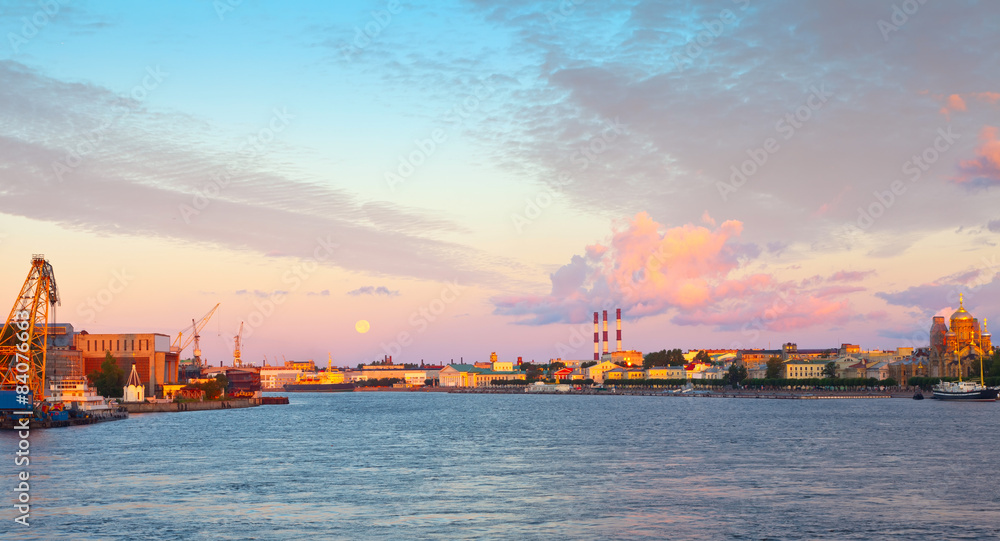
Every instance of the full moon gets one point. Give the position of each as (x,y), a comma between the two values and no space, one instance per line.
(362,326)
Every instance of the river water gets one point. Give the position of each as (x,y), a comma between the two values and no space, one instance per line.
(435,465)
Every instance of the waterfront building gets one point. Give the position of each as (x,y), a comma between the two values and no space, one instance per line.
(563,373)
(596,372)
(149,352)
(62,358)
(712,372)
(665,372)
(410,375)
(963,339)
(624,358)
(754,358)
(274,378)
(305,366)
(904,369)
(802,369)
(616,373)
(470,375)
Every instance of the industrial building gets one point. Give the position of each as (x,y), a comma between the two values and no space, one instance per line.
(149,352)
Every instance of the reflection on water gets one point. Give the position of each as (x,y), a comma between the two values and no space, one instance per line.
(410,465)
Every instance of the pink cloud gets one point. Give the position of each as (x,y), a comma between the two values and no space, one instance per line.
(984,169)
(956,102)
(988,97)
(850,276)
(693,271)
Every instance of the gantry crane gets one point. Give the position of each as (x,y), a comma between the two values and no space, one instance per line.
(180,344)
(23,342)
(237,361)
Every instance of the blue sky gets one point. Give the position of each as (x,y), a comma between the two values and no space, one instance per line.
(549,158)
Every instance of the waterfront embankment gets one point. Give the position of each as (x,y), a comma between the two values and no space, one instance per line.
(168,407)
(762,394)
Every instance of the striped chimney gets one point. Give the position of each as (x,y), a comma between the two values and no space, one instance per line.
(618,318)
(605,331)
(597,340)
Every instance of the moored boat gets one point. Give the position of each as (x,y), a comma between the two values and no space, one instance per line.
(964,390)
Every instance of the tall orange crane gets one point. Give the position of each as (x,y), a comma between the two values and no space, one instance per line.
(237,361)
(23,342)
(180,344)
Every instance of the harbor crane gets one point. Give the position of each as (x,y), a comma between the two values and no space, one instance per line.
(180,344)
(238,339)
(24,340)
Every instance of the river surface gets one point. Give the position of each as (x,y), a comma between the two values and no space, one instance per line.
(462,466)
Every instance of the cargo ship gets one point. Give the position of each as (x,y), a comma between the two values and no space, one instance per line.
(330,381)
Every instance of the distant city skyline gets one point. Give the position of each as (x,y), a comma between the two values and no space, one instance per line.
(437,181)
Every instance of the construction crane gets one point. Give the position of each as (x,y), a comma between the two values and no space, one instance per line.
(180,344)
(237,361)
(23,343)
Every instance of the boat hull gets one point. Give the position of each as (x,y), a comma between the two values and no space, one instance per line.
(319,387)
(984,395)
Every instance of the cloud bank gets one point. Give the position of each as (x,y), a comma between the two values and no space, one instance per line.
(696,273)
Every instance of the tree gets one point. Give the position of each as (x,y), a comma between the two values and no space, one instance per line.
(110,379)
(675,357)
(830,370)
(703,357)
(736,374)
(773,368)
(588,364)
(655,358)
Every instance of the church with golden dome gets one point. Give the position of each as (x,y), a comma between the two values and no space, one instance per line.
(958,344)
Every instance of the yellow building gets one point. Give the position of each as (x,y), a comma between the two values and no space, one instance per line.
(624,358)
(665,372)
(596,372)
(801,369)
(468,375)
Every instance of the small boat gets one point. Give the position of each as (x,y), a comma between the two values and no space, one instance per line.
(918,395)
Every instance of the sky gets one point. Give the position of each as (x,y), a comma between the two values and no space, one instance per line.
(472,177)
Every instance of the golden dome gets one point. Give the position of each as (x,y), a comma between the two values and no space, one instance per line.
(961,313)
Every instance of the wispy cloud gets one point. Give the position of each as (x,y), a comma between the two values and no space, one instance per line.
(372,290)
(44,119)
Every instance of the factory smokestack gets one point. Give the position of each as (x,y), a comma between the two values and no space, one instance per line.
(597,340)
(618,318)
(605,331)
